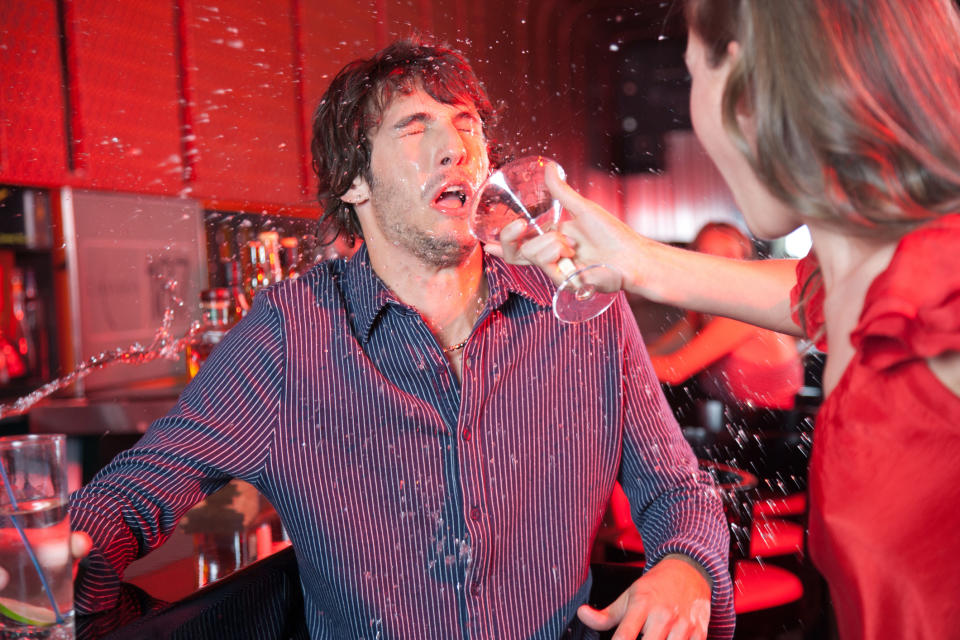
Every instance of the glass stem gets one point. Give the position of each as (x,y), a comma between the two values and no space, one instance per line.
(569,270)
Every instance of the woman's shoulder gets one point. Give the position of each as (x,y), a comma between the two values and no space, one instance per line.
(912,309)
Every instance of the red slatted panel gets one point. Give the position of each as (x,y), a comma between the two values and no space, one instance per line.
(242,103)
(32,134)
(124,61)
(405,17)
(449,22)
(324,54)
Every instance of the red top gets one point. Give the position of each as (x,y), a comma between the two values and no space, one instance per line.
(885,470)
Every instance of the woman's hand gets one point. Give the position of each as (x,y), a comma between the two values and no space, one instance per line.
(591,236)
(753,291)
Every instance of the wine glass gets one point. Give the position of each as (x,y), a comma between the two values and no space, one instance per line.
(518,189)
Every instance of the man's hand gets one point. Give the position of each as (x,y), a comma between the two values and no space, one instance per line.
(670,602)
(80,544)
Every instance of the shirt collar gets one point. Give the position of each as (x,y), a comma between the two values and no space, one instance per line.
(504,279)
(367,295)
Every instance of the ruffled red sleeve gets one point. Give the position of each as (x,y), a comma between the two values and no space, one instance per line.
(806,300)
(912,309)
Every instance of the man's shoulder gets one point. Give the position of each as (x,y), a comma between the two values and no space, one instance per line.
(324,273)
(318,284)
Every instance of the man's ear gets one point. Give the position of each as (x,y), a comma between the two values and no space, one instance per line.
(358,193)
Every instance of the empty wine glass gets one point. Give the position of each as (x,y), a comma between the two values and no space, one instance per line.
(518,189)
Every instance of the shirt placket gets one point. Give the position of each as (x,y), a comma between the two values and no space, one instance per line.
(473,483)
(459,405)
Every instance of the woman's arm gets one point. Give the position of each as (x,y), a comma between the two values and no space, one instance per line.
(753,291)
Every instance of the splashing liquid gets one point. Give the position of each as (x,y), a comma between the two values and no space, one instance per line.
(164,345)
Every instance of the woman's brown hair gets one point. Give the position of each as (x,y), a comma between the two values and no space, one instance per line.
(856,104)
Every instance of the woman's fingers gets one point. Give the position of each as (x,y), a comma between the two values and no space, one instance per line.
(570,199)
(511,238)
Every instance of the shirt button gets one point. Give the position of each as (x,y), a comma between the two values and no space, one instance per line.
(466,434)
(475,513)
(475,590)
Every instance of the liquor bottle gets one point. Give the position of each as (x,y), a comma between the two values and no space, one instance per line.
(34,314)
(22,337)
(290,257)
(238,297)
(258,276)
(271,249)
(216,319)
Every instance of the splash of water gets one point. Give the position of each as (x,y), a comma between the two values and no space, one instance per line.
(164,345)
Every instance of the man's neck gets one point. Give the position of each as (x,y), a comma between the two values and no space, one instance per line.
(449,299)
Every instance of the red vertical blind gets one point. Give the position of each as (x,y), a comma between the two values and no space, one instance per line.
(33,147)
(331,35)
(242,106)
(124,76)
(672,206)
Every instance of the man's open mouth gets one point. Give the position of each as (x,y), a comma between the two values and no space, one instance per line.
(452,196)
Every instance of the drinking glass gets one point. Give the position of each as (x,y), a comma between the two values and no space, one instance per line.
(36,599)
(518,189)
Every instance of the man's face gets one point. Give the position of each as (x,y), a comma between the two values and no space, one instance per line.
(428,160)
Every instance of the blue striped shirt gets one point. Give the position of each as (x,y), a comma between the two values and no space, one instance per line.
(420,506)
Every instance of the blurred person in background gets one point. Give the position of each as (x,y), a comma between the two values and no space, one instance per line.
(740,364)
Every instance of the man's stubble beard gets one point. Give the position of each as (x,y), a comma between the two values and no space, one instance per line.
(442,251)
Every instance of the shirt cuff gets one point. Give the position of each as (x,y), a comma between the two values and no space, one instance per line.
(97,585)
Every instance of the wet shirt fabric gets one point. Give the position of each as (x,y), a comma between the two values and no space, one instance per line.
(419,507)
(884,478)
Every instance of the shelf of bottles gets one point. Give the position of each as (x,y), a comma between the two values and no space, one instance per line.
(247,253)
(28,349)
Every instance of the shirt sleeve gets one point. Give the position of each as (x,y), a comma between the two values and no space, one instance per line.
(807,298)
(674,504)
(220,428)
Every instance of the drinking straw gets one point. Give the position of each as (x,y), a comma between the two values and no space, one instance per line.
(26,543)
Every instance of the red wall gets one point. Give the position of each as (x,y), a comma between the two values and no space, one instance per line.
(242,104)
(123,82)
(32,129)
(212,99)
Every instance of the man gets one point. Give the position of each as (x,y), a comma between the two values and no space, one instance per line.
(439,448)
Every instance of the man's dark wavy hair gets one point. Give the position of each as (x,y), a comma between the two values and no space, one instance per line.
(353,106)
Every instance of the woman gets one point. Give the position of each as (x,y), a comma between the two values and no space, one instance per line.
(843,115)
(740,364)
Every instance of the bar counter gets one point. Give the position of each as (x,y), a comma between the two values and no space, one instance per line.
(160,597)
(263,601)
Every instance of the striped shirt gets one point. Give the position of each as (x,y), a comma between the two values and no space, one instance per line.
(420,506)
